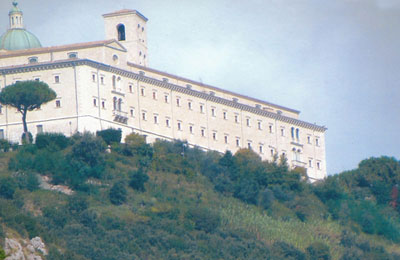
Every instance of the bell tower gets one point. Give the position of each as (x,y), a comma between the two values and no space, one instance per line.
(128,27)
(16,18)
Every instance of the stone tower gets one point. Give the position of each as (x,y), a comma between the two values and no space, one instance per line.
(129,28)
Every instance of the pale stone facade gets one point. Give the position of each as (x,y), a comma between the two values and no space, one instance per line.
(108,84)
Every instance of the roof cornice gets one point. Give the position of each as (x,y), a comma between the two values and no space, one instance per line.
(211,87)
(125,12)
(163,84)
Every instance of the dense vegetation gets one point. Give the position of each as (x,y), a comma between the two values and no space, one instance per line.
(169,201)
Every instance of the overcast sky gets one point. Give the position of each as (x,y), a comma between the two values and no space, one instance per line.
(337,61)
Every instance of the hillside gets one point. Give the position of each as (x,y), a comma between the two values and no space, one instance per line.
(168,201)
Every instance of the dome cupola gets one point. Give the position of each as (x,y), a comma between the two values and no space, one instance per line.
(17,37)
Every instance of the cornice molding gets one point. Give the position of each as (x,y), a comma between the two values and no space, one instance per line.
(159,83)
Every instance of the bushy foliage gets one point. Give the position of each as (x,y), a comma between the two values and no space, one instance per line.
(318,251)
(204,219)
(176,217)
(118,194)
(27,181)
(7,188)
(282,250)
(2,254)
(55,141)
(138,179)
(110,135)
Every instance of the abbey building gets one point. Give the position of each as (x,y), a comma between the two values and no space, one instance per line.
(108,84)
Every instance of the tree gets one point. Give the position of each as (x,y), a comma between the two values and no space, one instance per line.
(118,194)
(138,180)
(26,96)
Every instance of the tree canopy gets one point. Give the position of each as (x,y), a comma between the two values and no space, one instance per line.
(26,96)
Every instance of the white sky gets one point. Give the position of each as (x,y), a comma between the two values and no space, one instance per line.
(337,61)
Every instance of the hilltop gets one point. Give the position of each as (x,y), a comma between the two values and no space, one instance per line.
(169,201)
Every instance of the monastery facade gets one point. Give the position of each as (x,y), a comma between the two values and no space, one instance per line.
(108,84)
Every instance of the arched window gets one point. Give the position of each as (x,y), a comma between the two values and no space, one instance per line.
(121,32)
(297,134)
(120,104)
(292,132)
(114,81)
(115,103)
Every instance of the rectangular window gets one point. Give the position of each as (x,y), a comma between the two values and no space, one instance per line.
(130,89)
(103,104)
(57,79)
(270,129)
(58,103)
(261,149)
(225,115)
(166,99)
(154,95)
(142,92)
(308,139)
(190,105)
(95,102)
(132,112)
(191,129)
(214,135)
(226,139)
(213,112)
(318,166)
(237,142)
(167,122)
(282,132)
(203,132)
(310,163)
(202,109)
(102,80)
(93,77)
(1,109)
(155,119)
(144,116)
(316,141)
(1,133)
(39,129)
(178,102)
(179,126)
(236,119)
(272,152)
(37,79)
(248,122)
(249,145)
(259,125)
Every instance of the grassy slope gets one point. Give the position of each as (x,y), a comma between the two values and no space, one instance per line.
(167,191)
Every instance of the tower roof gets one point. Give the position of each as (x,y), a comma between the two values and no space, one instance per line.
(15,8)
(124,12)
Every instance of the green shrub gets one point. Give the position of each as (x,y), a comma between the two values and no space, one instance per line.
(89,150)
(267,198)
(247,190)
(282,250)
(54,140)
(2,254)
(118,194)
(110,135)
(204,219)
(27,181)
(4,145)
(7,188)
(318,251)
(76,204)
(138,179)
